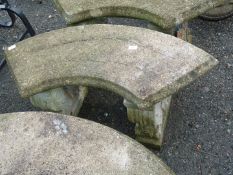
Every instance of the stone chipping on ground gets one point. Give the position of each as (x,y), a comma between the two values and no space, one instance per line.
(199,134)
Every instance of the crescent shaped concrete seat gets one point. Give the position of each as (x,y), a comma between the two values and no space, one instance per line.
(145,67)
(142,65)
(163,13)
(50,143)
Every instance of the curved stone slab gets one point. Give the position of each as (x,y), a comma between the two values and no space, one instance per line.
(48,143)
(164,13)
(142,65)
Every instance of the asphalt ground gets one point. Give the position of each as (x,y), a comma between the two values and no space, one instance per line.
(199,134)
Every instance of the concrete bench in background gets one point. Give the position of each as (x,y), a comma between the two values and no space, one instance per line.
(221,12)
(145,67)
(49,143)
(165,14)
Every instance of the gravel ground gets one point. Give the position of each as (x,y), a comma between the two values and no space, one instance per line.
(199,134)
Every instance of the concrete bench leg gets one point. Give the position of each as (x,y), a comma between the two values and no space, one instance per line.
(66,100)
(150,123)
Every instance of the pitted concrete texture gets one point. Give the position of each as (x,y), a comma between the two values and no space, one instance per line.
(49,143)
(164,13)
(142,65)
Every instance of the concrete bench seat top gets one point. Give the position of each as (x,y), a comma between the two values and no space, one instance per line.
(164,13)
(142,65)
(49,143)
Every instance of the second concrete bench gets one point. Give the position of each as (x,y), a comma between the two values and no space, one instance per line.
(221,12)
(165,14)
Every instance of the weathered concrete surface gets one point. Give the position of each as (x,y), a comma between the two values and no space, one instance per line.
(142,65)
(150,123)
(164,13)
(66,100)
(48,143)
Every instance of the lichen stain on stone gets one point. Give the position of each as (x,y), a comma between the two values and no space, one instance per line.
(121,157)
(140,66)
(138,75)
(60,126)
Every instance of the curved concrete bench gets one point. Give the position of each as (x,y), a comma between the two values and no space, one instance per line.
(166,14)
(143,66)
(49,143)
